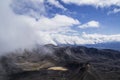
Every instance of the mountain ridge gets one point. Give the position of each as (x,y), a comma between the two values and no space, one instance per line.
(39,59)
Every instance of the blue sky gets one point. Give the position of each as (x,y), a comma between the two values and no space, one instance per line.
(28,22)
(109,23)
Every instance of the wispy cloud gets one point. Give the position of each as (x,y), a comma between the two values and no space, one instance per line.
(99,38)
(33,8)
(85,38)
(54,23)
(57,4)
(114,11)
(90,24)
(96,3)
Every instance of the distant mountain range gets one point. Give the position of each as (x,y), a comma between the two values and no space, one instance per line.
(107,45)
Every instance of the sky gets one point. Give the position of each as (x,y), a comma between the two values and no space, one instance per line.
(24,23)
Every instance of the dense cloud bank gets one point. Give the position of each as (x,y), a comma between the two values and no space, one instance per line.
(24,23)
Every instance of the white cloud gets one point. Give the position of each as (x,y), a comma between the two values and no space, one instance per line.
(96,3)
(114,11)
(84,38)
(20,31)
(90,24)
(99,38)
(33,8)
(71,39)
(57,4)
(54,23)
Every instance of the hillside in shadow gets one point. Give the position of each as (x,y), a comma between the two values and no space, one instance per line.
(50,62)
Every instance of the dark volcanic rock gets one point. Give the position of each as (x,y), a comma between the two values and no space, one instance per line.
(104,64)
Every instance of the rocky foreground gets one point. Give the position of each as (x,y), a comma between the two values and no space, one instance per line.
(51,62)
